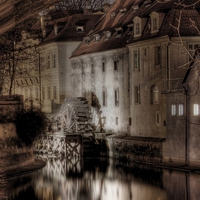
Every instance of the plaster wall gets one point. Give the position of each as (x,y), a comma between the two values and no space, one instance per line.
(95,73)
(174,147)
(148,116)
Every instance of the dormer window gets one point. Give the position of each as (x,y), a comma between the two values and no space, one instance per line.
(119,32)
(135,8)
(112,15)
(123,11)
(147,2)
(156,20)
(138,26)
(87,40)
(107,34)
(79,28)
(130,29)
(97,37)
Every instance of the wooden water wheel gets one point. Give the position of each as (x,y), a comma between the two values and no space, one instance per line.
(75,115)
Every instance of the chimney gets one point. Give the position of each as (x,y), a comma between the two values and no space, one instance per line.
(88,9)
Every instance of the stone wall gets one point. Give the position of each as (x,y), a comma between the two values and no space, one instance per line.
(146,150)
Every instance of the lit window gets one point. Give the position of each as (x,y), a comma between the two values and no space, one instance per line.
(137,94)
(196,109)
(136,59)
(173,110)
(180,109)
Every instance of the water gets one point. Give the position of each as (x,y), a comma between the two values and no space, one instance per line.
(94,179)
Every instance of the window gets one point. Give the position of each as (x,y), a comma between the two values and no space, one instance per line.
(116,97)
(136,59)
(154,94)
(112,15)
(196,109)
(92,68)
(104,97)
(97,37)
(31,93)
(119,32)
(54,92)
(137,28)
(48,61)
(157,55)
(43,93)
(180,110)
(130,29)
(49,92)
(115,65)
(103,67)
(54,60)
(130,121)
(192,48)
(123,11)
(154,24)
(37,93)
(116,120)
(79,28)
(158,118)
(173,109)
(137,94)
(107,34)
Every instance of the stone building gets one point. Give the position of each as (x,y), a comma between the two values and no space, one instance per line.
(52,73)
(151,51)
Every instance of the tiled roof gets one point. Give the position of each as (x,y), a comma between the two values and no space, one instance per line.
(67,30)
(114,18)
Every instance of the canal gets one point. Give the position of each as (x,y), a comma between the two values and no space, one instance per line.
(100,179)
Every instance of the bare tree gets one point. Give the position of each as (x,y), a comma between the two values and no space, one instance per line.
(83,4)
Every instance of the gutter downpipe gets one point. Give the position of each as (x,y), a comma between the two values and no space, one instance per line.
(186,128)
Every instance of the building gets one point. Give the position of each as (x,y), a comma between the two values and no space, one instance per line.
(134,62)
(49,82)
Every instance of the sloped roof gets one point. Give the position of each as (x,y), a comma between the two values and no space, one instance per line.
(67,30)
(143,9)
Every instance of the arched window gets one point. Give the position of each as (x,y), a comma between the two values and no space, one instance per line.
(154,94)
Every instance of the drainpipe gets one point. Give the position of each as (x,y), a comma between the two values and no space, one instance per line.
(186,127)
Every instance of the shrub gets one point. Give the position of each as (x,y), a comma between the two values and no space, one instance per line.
(29,125)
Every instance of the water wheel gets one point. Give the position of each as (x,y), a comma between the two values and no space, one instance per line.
(75,115)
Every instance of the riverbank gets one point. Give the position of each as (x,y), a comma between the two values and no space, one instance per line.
(21,169)
(130,150)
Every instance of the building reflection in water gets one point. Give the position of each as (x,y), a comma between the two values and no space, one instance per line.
(93,179)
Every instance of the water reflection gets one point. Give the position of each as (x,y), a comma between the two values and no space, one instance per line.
(91,179)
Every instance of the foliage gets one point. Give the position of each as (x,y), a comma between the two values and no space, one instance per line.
(30,124)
